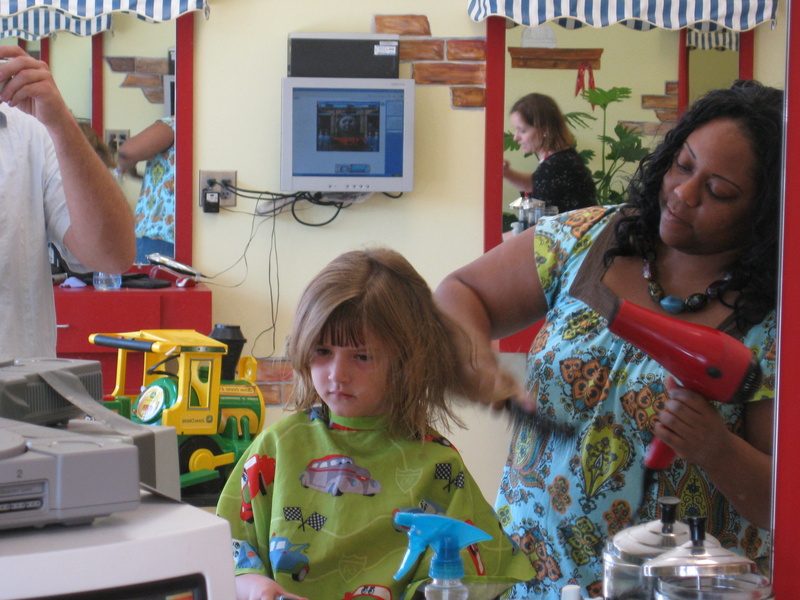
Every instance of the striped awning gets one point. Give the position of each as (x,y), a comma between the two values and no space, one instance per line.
(703,15)
(34,24)
(34,19)
(722,39)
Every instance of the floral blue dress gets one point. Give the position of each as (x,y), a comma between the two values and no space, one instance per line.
(562,496)
(155,210)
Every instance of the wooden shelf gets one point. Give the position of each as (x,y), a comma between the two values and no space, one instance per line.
(554,58)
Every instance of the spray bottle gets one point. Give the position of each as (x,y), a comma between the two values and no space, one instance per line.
(446,537)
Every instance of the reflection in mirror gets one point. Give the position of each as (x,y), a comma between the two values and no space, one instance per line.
(30,47)
(710,70)
(532,80)
(125,106)
(136,59)
(618,68)
(713,60)
(71,65)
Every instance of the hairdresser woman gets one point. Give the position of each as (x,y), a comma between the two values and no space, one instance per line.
(701,229)
(561,179)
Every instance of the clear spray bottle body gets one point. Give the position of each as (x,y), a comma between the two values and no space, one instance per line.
(446,589)
(446,537)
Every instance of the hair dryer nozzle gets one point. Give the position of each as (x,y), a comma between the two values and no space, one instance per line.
(750,383)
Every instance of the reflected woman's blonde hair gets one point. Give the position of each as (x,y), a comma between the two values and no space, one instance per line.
(377,292)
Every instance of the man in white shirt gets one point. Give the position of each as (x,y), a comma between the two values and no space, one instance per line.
(53,188)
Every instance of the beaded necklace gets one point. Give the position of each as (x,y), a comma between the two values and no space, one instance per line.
(693,303)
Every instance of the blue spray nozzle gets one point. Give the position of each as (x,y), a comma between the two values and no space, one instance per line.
(446,537)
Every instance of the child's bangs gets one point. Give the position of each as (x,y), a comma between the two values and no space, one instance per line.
(344,327)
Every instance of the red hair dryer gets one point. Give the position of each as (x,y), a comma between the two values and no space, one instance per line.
(703,359)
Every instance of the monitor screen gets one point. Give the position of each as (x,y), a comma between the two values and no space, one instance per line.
(347,135)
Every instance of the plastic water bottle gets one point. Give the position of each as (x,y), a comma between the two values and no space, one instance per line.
(106,281)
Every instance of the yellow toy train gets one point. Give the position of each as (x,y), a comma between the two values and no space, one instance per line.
(192,383)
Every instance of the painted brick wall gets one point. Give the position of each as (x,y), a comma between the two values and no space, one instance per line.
(144,73)
(454,62)
(274,380)
(665,107)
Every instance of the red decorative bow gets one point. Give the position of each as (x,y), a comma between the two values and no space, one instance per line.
(580,84)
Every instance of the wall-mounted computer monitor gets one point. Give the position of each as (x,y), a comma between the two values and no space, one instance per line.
(347,135)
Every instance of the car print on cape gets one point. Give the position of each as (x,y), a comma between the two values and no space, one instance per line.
(287,557)
(337,474)
(257,474)
(377,592)
(245,556)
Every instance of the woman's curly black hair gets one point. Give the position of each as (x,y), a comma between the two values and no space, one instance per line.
(758,110)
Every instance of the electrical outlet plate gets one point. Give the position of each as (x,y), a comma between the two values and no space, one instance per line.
(226,198)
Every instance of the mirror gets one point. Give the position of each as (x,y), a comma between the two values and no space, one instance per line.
(95,92)
(786,490)
(135,66)
(70,60)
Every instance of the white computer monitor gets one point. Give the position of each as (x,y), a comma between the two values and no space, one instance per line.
(347,135)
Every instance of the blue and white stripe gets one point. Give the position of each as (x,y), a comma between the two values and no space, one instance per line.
(31,24)
(722,39)
(703,15)
(34,19)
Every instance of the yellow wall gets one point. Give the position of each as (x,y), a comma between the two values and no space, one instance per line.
(711,69)
(71,65)
(240,60)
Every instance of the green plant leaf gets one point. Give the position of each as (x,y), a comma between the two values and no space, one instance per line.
(579,119)
(602,98)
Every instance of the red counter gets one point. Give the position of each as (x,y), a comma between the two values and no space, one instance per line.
(83,311)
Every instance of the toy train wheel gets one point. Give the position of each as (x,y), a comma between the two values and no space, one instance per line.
(192,451)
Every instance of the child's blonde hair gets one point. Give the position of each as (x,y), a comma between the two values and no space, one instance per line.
(377,291)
